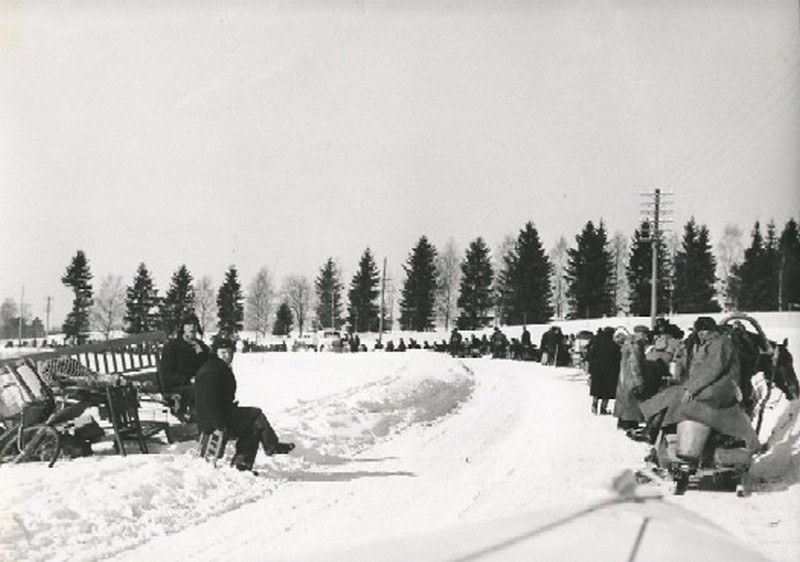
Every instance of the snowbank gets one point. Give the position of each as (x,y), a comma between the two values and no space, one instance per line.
(90,508)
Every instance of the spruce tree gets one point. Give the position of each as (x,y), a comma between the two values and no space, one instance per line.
(363,309)
(283,320)
(230,309)
(179,300)
(526,275)
(142,304)
(418,295)
(475,298)
(590,274)
(328,286)
(78,278)
(695,276)
(640,267)
(754,283)
(789,272)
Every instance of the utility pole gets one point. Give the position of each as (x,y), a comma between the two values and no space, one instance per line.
(21,314)
(47,318)
(383,292)
(655,212)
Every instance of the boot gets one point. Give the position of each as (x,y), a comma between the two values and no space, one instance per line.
(279,449)
(604,408)
(594,406)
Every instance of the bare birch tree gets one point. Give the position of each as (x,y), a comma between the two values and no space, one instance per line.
(619,256)
(259,303)
(298,293)
(108,310)
(558,278)
(730,252)
(448,265)
(205,303)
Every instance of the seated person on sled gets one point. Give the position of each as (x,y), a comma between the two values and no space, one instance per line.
(215,390)
(711,393)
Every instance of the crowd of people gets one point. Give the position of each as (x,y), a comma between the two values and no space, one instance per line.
(658,378)
(655,378)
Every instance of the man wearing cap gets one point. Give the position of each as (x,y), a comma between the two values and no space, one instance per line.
(217,409)
(181,358)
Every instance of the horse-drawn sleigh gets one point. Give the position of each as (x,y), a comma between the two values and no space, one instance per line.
(697,444)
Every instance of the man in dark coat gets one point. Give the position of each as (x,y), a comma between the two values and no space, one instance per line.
(217,409)
(604,358)
(455,343)
(181,357)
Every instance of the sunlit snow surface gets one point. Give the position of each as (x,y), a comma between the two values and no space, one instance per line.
(389,446)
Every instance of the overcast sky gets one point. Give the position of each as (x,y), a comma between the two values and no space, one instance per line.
(278,135)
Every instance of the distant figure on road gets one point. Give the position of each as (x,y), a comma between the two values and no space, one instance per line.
(455,343)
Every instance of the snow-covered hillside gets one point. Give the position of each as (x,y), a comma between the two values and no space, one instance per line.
(391,447)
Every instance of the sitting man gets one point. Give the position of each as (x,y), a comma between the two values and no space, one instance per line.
(215,389)
(711,393)
(180,360)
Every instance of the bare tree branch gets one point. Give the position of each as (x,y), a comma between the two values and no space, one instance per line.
(259,303)
(108,310)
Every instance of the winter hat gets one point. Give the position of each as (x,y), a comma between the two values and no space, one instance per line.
(704,323)
(221,342)
(661,326)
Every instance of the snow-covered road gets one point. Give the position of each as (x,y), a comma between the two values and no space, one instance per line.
(390,446)
(524,441)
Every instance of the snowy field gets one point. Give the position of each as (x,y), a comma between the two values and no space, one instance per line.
(395,451)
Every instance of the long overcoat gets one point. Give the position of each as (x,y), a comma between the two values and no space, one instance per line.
(631,381)
(604,365)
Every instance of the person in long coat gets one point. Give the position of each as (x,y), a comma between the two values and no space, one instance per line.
(604,358)
(217,409)
(631,380)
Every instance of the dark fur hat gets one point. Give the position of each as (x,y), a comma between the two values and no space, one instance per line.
(222,342)
(704,323)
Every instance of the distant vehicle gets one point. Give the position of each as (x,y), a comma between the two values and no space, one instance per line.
(328,340)
(305,342)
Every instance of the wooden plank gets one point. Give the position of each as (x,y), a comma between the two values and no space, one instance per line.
(154,338)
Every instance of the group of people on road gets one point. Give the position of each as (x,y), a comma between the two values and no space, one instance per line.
(658,378)
(204,385)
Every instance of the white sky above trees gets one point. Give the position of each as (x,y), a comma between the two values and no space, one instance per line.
(279,135)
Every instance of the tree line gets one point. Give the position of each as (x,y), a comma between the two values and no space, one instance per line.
(596,276)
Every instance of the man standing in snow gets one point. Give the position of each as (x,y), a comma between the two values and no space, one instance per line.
(630,384)
(215,390)
(180,360)
(455,343)
(604,359)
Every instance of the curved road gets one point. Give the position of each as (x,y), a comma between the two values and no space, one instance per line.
(525,441)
